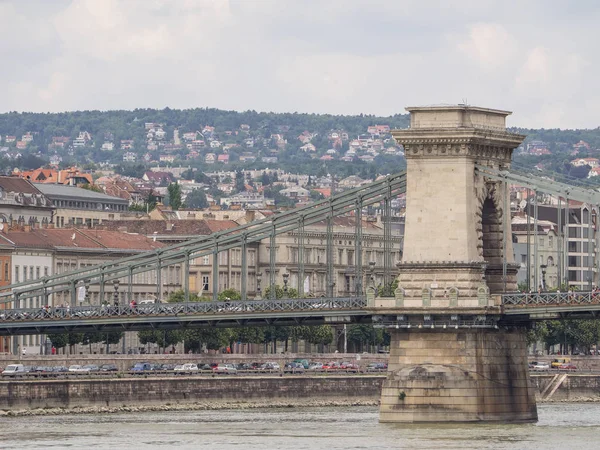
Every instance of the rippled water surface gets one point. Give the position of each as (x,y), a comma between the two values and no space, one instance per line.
(561,426)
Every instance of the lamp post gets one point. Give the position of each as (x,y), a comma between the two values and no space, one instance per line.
(543,267)
(258,280)
(116,294)
(286,276)
(372,273)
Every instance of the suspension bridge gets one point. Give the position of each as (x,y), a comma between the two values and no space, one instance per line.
(456,279)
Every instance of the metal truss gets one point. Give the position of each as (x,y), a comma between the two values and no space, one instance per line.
(543,184)
(551,298)
(124,269)
(552,305)
(308,311)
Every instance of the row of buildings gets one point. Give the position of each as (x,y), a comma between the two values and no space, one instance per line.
(34,248)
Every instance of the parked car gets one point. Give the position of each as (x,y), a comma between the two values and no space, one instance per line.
(270,367)
(14,370)
(293,367)
(567,366)
(541,366)
(349,367)
(108,368)
(558,361)
(376,367)
(188,368)
(142,367)
(304,362)
(315,366)
(225,368)
(76,368)
(90,368)
(244,366)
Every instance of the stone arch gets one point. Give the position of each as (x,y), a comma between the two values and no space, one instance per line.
(491,233)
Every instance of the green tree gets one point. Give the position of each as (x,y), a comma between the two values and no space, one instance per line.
(179,297)
(196,199)
(279,293)
(239,181)
(229,294)
(92,187)
(163,338)
(174,191)
(59,340)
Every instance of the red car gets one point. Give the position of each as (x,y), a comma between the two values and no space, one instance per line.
(567,366)
(349,367)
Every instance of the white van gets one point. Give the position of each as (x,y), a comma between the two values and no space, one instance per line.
(147,301)
(14,369)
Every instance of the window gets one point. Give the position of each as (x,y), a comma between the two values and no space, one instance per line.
(523,259)
(31,272)
(6,272)
(340,256)
(293,255)
(24,273)
(541,242)
(350,257)
(37,272)
(17,274)
(205,282)
(206,260)
(45,271)
(550,241)
(550,262)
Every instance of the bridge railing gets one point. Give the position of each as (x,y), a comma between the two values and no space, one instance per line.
(551,298)
(189,308)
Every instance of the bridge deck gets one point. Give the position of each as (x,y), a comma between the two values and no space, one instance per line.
(313,311)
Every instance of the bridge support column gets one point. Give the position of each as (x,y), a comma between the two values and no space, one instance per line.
(458,375)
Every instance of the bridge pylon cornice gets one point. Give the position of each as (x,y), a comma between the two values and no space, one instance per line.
(470,142)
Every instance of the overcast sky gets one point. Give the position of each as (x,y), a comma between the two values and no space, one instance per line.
(538,59)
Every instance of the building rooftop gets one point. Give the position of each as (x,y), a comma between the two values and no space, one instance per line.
(77,239)
(73,192)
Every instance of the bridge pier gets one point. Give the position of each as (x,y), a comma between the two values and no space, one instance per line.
(458,375)
(451,360)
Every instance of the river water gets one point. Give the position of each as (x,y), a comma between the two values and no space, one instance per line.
(561,426)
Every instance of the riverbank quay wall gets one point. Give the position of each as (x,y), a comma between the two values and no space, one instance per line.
(139,391)
(19,395)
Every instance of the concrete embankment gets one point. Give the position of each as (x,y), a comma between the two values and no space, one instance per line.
(201,392)
(134,394)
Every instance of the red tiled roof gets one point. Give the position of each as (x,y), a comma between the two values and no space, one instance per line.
(78,239)
(16,184)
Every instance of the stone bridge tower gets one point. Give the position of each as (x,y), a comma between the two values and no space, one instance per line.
(452,357)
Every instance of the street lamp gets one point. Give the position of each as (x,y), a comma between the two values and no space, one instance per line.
(372,273)
(543,267)
(285,284)
(116,294)
(258,279)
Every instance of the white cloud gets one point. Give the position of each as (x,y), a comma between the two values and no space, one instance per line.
(350,56)
(490,45)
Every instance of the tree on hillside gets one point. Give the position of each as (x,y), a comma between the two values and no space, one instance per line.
(174,191)
(239,181)
(196,199)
